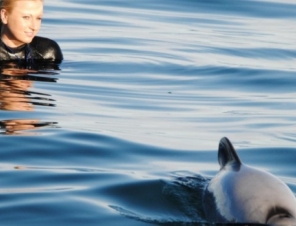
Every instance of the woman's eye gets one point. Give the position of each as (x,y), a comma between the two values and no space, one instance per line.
(26,17)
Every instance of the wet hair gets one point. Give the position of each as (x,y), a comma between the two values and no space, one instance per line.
(8,5)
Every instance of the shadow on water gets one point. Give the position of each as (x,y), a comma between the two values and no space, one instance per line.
(167,203)
(162,202)
(16,81)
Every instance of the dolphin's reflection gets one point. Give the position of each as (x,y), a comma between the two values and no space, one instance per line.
(15,94)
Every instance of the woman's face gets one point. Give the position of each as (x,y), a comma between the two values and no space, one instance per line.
(21,24)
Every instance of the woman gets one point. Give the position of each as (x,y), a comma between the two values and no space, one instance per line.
(20,22)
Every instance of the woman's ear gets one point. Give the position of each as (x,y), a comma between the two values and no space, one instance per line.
(4,16)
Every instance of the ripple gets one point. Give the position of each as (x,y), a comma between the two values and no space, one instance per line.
(123,130)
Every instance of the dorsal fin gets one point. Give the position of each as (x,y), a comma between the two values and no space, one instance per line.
(227,153)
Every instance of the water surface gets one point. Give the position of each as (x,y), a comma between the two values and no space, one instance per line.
(138,106)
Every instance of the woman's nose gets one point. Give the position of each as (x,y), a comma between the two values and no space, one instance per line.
(33,24)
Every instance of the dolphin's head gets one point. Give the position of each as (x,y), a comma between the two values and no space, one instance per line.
(280,217)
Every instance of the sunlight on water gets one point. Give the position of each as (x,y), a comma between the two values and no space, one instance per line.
(138,54)
(124,131)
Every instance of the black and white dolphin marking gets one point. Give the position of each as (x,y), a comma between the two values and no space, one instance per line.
(242,194)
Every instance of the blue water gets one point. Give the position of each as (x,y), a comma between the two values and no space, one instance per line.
(125,129)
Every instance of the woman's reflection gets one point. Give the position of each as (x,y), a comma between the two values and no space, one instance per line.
(15,94)
(14,126)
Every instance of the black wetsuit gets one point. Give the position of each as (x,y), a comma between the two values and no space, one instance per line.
(39,49)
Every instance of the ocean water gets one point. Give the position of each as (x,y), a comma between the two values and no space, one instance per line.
(125,129)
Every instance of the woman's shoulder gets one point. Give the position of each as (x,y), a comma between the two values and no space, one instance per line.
(47,48)
(43,41)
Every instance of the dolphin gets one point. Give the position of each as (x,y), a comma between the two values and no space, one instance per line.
(242,194)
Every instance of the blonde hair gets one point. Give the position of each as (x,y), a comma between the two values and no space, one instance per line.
(8,6)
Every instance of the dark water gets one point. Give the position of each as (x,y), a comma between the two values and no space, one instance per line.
(126,129)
